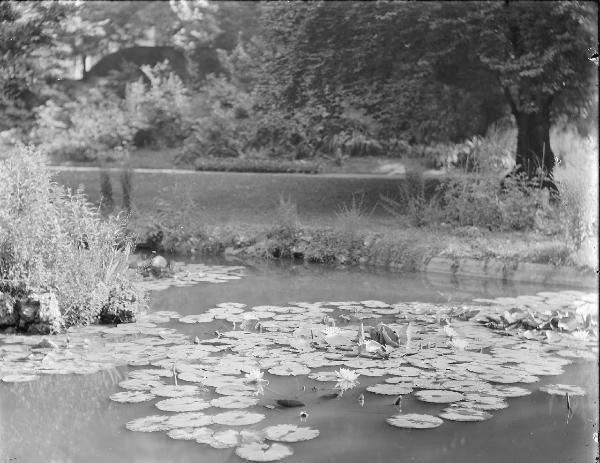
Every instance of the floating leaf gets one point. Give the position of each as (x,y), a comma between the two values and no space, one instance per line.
(256,451)
(290,433)
(151,423)
(562,389)
(238,418)
(234,402)
(414,421)
(390,389)
(189,420)
(439,396)
(182,404)
(19,378)
(190,433)
(464,414)
(509,391)
(132,396)
(175,391)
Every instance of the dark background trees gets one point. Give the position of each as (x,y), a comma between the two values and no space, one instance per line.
(441,70)
(419,72)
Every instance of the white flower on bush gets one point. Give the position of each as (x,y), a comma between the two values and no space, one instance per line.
(346,379)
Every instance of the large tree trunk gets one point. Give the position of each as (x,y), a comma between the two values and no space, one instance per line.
(534,157)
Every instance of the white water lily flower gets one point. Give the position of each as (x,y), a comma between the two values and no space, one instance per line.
(449,331)
(346,379)
(330,331)
(255,376)
(458,344)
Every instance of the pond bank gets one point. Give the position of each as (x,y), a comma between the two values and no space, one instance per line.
(506,257)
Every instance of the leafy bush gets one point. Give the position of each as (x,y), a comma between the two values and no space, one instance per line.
(53,239)
(158,109)
(91,127)
(256,165)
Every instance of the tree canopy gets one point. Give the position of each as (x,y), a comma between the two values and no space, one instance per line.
(414,64)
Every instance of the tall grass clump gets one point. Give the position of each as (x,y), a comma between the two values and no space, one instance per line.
(411,202)
(52,239)
(352,217)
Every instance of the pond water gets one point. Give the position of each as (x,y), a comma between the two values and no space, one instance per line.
(306,319)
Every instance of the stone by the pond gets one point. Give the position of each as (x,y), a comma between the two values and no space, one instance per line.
(439,396)
(39,313)
(256,451)
(414,421)
(8,314)
(464,414)
(158,262)
(562,389)
(45,344)
(238,418)
(290,433)
(182,404)
(132,397)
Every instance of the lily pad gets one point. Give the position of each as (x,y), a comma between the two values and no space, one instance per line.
(390,389)
(256,451)
(190,433)
(140,384)
(132,397)
(509,391)
(290,433)
(414,421)
(151,423)
(562,389)
(484,402)
(238,418)
(289,369)
(183,404)
(19,378)
(234,402)
(439,396)
(189,420)
(464,414)
(175,391)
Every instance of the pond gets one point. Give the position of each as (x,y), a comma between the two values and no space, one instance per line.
(261,362)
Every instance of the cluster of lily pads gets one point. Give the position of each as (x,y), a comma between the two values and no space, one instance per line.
(181,274)
(214,391)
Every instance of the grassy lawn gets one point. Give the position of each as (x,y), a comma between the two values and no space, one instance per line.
(229,208)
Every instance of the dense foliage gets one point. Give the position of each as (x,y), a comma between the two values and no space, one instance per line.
(52,239)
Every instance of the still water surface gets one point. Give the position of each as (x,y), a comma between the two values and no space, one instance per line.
(69,418)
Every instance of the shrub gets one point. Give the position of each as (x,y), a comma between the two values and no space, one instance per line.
(256,165)
(91,127)
(411,202)
(53,239)
(159,109)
